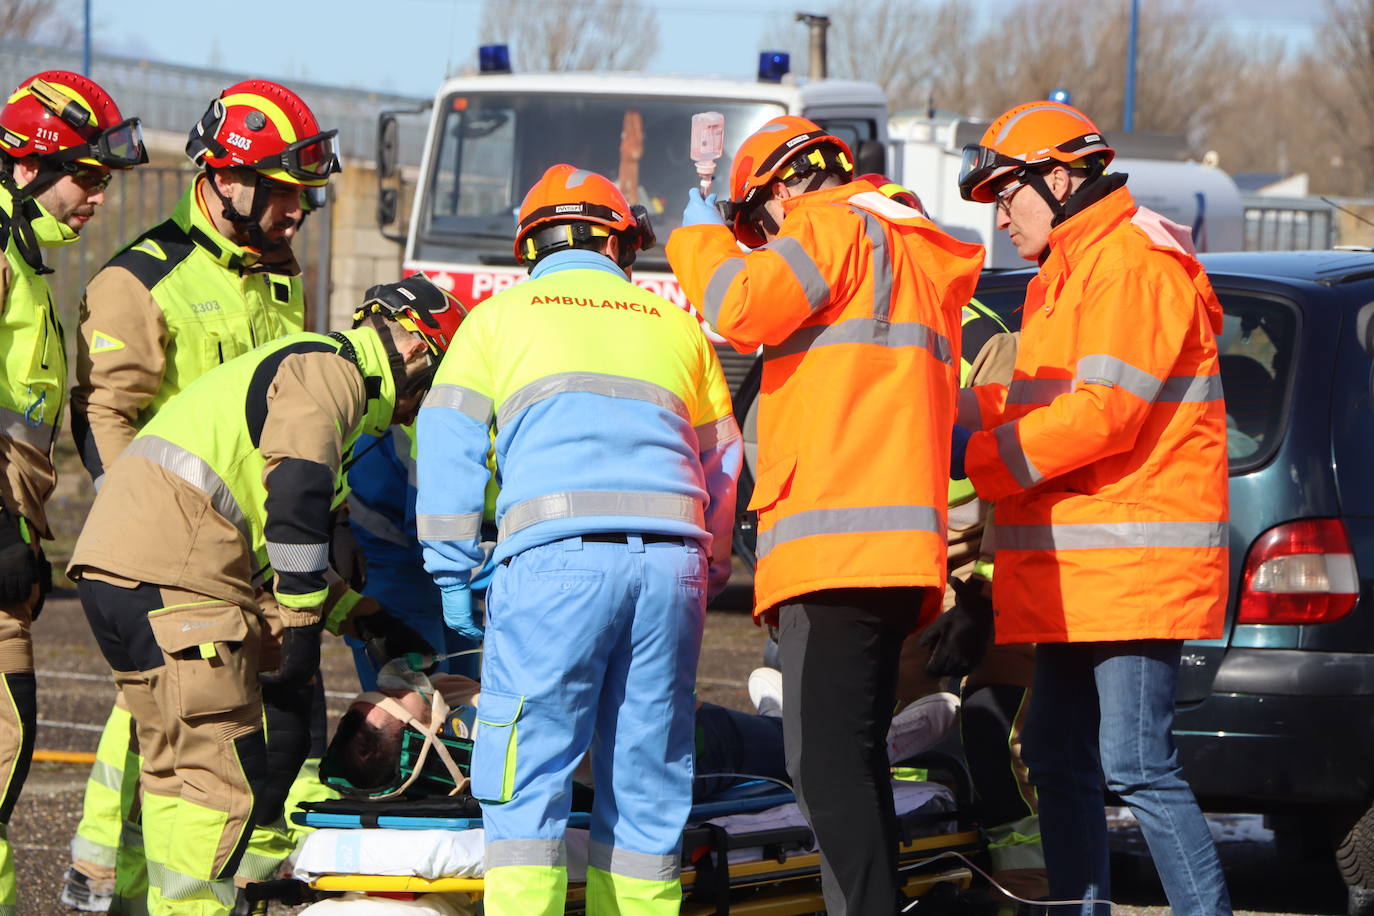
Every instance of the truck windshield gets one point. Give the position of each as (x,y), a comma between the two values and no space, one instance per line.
(492,147)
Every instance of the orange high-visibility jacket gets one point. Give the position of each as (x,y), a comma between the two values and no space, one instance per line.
(857,305)
(1107,454)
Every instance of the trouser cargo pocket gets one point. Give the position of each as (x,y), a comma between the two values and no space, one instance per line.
(495,749)
(211,651)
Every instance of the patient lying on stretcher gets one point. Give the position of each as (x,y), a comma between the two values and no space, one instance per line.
(411,738)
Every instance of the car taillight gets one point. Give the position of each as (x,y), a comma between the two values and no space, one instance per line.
(1299,572)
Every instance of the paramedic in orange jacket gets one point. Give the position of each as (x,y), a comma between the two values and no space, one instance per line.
(1106,458)
(857,302)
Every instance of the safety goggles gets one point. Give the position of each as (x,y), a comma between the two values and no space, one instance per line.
(121,146)
(981,163)
(311,159)
(89,178)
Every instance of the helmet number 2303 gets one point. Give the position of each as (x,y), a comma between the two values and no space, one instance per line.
(238,140)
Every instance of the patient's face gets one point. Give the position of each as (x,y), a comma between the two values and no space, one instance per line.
(411,700)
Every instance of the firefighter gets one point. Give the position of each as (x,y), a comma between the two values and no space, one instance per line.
(226,490)
(618,455)
(856,301)
(1106,459)
(212,281)
(61,136)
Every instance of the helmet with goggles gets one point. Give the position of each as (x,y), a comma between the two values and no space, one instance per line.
(419,306)
(570,207)
(266,128)
(787,149)
(70,124)
(1031,138)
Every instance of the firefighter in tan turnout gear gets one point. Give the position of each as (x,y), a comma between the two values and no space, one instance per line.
(229,488)
(210,282)
(60,137)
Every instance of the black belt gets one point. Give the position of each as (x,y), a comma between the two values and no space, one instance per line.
(620,537)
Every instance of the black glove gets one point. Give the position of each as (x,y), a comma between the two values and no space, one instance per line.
(387,637)
(18,569)
(44,572)
(346,554)
(958,639)
(300,657)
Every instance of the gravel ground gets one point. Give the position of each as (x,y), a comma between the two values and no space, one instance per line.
(75,693)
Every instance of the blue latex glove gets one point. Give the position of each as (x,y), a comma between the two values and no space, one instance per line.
(959,443)
(701,211)
(458,612)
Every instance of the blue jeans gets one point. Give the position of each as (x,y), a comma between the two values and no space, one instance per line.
(1104,711)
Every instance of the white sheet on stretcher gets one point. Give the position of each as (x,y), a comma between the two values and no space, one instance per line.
(458,853)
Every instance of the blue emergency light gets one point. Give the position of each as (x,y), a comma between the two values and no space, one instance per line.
(493,59)
(773,66)
(1062,96)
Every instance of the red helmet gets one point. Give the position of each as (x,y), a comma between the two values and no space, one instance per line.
(263,126)
(569,205)
(68,119)
(1033,134)
(419,306)
(780,150)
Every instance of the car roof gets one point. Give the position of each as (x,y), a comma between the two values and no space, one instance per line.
(1329,267)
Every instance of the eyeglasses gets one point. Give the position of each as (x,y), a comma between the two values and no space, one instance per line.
(1005,195)
(90,179)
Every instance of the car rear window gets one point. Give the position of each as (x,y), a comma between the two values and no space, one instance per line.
(1256,348)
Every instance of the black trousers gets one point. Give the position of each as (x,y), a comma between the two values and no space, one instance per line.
(839,652)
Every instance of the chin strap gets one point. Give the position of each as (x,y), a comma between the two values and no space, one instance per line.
(19,225)
(1096,186)
(249,223)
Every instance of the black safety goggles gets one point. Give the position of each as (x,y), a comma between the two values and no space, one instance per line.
(311,159)
(979,164)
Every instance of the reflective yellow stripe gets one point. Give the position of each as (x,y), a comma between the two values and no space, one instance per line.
(815,522)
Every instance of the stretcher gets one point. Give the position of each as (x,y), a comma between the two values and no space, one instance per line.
(747,851)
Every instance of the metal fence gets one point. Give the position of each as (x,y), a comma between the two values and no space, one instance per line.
(140,198)
(1289,224)
(173,97)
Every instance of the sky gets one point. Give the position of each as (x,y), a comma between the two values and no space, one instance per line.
(408,46)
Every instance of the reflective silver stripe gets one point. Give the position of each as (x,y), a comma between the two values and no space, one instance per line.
(1187,389)
(881,261)
(401,445)
(611,386)
(970,414)
(298,558)
(1014,457)
(464,400)
(1107,535)
(1101,369)
(93,852)
(718,286)
(501,853)
(642,865)
(814,522)
(107,775)
(804,268)
(257,867)
(717,432)
(176,887)
(196,471)
(463,527)
(361,515)
(865,331)
(14,425)
(582,503)
(1038,391)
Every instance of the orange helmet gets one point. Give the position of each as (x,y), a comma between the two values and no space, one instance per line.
(786,148)
(569,206)
(67,120)
(1033,134)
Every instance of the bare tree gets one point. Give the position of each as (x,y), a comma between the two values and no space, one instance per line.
(38,20)
(573,34)
(1336,80)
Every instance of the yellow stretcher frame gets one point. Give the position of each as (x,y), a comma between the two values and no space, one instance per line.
(764,894)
